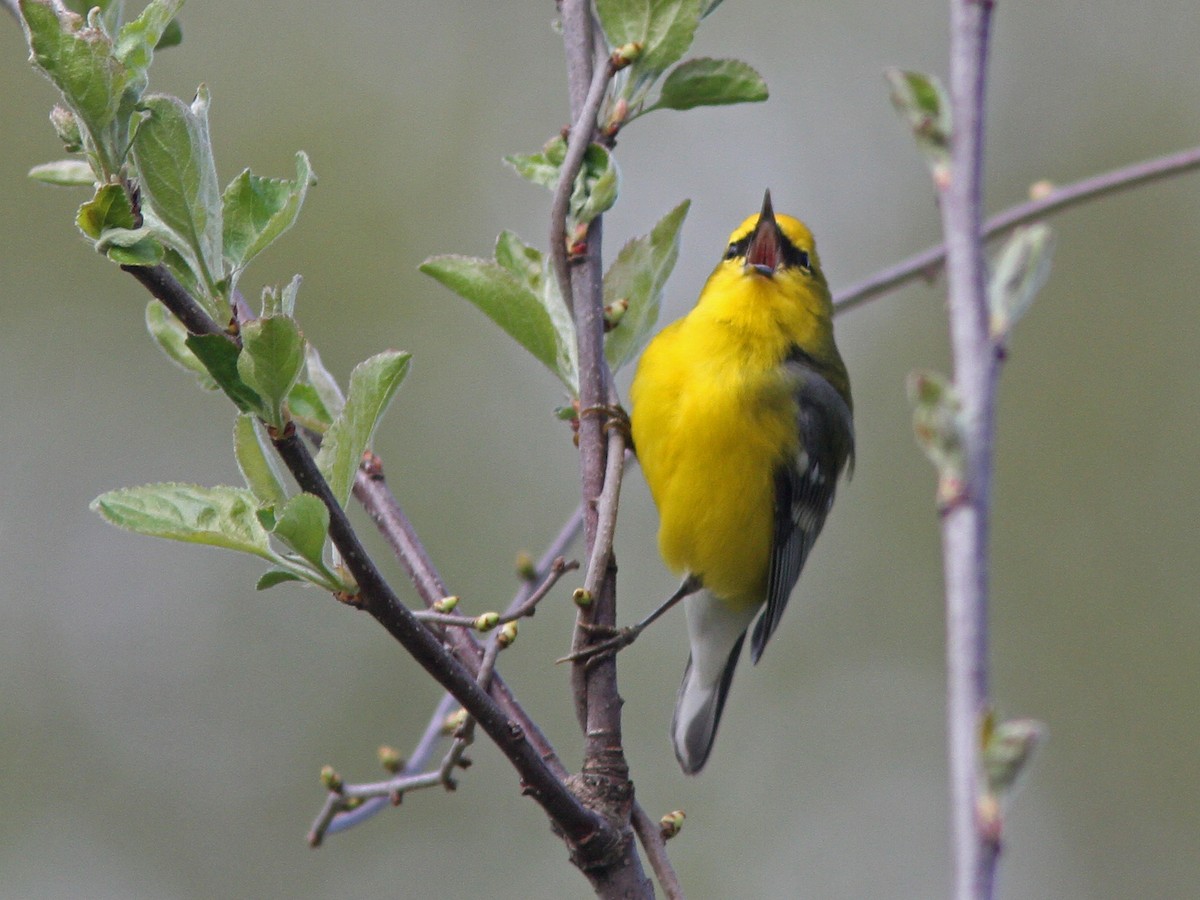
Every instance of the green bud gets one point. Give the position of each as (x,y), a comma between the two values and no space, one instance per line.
(66,126)
(331,780)
(487,621)
(582,597)
(446,604)
(390,759)
(506,635)
(614,312)
(453,721)
(526,567)
(1007,750)
(671,824)
(627,54)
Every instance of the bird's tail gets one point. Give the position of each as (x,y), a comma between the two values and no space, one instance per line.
(717,630)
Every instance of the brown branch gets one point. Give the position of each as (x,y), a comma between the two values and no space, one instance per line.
(650,836)
(583,829)
(165,287)
(928,263)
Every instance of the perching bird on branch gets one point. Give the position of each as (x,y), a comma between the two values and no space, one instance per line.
(742,423)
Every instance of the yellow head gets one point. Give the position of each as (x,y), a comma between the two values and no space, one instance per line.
(776,247)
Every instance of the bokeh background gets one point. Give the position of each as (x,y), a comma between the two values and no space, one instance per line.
(163,724)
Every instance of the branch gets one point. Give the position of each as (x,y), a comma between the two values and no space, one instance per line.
(333,818)
(965,521)
(580,825)
(929,263)
(588,834)
(371,489)
(650,835)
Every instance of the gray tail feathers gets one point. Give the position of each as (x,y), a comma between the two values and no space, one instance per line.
(698,711)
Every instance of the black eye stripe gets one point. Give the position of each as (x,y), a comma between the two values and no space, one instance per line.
(792,255)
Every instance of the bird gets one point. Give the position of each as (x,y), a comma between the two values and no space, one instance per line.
(742,421)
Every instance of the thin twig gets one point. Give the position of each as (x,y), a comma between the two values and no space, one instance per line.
(650,836)
(520,611)
(332,819)
(976,371)
(928,263)
(577,822)
(372,490)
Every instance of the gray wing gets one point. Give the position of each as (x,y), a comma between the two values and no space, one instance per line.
(804,489)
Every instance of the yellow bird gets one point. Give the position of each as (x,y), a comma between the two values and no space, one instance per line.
(742,424)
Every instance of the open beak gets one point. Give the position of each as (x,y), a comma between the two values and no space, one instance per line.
(763,253)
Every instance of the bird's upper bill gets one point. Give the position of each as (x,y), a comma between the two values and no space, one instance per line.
(764,253)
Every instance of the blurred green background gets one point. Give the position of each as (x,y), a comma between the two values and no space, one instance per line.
(163,724)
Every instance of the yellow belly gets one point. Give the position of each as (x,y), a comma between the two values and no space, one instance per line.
(710,428)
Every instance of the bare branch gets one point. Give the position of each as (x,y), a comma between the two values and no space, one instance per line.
(650,836)
(174,296)
(976,370)
(928,263)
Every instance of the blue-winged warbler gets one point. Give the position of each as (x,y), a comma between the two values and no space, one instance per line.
(742,424)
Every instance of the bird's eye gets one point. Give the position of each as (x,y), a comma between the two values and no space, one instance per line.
(731,251)
(802,259)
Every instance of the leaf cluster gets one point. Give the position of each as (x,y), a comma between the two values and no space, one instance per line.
(517,288)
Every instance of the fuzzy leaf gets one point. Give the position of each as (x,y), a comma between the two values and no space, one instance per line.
(64,173)
(78,58)
(179,178)
(302,523)
(217,516)
(271,360)
(638,275)
(171,337)
(220,357)
(664,28)
(328,391)
(710,82)
(1020,273)
(258,210)
(924,104)
(507,300)
(109,208)
(373,383)
(274,577)
(257,466)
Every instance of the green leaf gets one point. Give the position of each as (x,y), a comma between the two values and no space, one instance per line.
(1020,273)
(271,360)
(595,188)
(307,410)
(138,39)
(219,355)
(923,103)
(302,523)
(507,300)
(179,179)
(256,464)
(171,337)
(172,36)
(938,428)
(373,383)
(1007,749)
(258,210)
(638,275)
(217,516)
(710,82)
(109,208)
(281,303)
(541,168)
(64,173)
(78,58)
(130,247)
(664,28)
(274,577)
(323,383)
